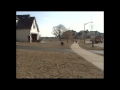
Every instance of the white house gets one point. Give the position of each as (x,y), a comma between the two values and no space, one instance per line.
(26,26)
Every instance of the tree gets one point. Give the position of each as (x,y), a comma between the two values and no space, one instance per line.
(57,30)
(68,35)
(92,39)
(86,33)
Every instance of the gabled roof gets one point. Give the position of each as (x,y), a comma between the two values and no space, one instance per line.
(37,25)
(25,22)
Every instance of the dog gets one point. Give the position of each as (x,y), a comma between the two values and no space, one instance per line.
(76,41)
(62,43)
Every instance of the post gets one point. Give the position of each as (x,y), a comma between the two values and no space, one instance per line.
(84,30)
(84,33)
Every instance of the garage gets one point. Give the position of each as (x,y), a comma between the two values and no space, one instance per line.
(34,37)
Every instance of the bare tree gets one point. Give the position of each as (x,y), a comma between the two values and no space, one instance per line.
(57,30)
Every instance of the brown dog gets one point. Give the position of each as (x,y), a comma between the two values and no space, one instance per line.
(62,43)
(76,41)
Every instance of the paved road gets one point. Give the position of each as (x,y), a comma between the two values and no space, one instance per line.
(43,48)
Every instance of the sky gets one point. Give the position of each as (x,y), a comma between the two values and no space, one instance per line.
(74,20)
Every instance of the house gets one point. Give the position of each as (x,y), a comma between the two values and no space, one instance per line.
(80,35)
(88,34)
(26,28)
(102,35)
(94,33)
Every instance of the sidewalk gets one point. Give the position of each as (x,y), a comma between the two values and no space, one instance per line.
(95,59)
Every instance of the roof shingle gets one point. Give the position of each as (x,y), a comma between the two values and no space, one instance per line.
(25,22)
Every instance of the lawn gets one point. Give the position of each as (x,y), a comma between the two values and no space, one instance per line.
(42,64)
(88,46)
(51,43)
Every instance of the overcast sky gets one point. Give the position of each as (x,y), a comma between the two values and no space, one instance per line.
(70,19)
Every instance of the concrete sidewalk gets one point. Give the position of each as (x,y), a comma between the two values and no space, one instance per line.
(95,59)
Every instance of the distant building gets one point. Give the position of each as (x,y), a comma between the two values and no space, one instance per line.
(88,34)
(93,33)
(102,35)
(80,35)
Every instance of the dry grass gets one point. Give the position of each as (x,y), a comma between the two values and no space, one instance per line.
(52,44)
(89,46)
(41,64)
(100,54)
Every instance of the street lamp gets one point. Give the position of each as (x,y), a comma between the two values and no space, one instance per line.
(84,29)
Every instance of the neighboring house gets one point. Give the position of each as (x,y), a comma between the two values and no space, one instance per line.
(26,25)
(94,33)
(80,35)
(88,34)
(102,35)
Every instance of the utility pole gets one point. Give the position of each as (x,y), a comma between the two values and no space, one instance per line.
(84,33)
(93,38)
(84,29)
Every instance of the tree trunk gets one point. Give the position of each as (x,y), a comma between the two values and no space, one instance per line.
(92,43)
(67,40)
